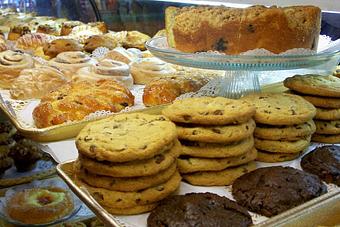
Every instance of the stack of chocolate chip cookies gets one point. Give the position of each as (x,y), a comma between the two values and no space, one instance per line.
(324,93)
(284,125)
(128,162)
(217,139)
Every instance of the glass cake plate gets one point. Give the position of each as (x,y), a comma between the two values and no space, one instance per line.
(243,73)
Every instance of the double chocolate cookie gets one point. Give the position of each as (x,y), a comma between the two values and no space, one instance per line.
(324,162)
(273,190)
(199,209)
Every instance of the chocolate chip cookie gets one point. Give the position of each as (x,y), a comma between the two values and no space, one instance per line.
(327,127)
(273,190)
(327,114)
(282,146)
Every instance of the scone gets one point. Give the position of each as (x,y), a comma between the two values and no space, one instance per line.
(55,47)
(96,41)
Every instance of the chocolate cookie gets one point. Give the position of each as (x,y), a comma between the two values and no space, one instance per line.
(324,162)
(199,209)
(273,190)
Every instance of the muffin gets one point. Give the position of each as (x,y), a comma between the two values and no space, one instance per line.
(25,154)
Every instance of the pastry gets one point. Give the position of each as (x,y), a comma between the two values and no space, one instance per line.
(76,100)
(121,54)
(219,178)
(70,62)
(126,184)
(83,32)
(136,168)
(311,84)
(324,162)
(146,69)
(216,134)
(25,154)
(282,146)
(323,138)
(96,41)
(233,30)
(209,111)
(18,31)
(160,33)
(327,127)
(199,209)
(11,64)
(67,27)
(281,108)
(36,82)
(283,132)
(272,190)
(32,41)
(216,150)
(327,114)
(135,39)
(115,133)
(55,47)
(117,199)
(189,164)
(100,25)
(44,205)
(47,29)
(106,69)
(323,102)
(264,156)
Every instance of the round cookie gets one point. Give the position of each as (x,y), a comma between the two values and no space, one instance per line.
(189,164)
(327,127)
(117,199)
(114,139)
(324,162)
(311,84)
(281,108)
(323,102)
(282,146)
(216,134)
(216,150)
(326,138)
(284,132)
(327,114)
(124,184)
(263,156)
(209,111)
(146,167)
(131,210)
(273,190)
(199,209)
(219,178)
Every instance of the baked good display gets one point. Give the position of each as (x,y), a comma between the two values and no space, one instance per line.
(272,190)
(147,69)
(25,153)
(324,162)
(55,47)
(70,62)
(135,39)
(67,26)
(233,30)
(199,209)
(47,29)
(106,69)
(96,41)
(143,170)
(324,93)
(18,31)
(11,64)
(32,41)
(217,139)
(76,100)
(44,205)
(37,82)
(121,54)
(100,25)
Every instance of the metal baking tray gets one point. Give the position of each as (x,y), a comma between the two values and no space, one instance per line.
(70,130)
(324,210)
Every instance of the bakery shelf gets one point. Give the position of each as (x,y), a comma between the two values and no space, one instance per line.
(242,71)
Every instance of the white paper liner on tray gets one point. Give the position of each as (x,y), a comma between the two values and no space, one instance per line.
(140,220)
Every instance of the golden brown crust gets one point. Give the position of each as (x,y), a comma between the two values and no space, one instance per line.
(233,31)
(18,31)
(58,46)
(100,25)
(76,100)
(47,29)
(96,41)
(67,27)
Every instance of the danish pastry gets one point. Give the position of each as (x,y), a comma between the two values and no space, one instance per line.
(96,41)
(18,31)
(67,26)
(52,49)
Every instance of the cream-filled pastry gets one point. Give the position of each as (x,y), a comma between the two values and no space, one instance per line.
(122,54)
(36,82)
(106,69)
(11,64)
(71,61)
(147,69)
